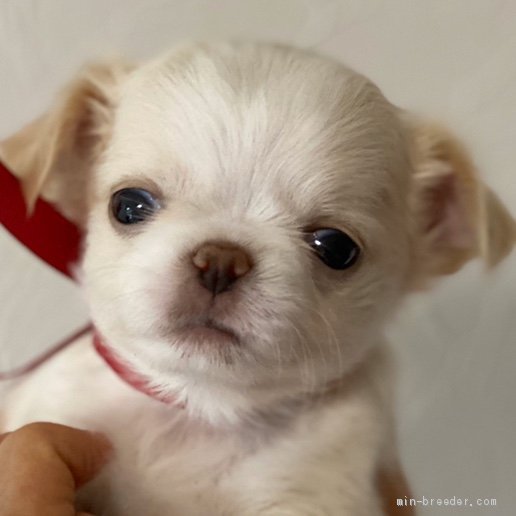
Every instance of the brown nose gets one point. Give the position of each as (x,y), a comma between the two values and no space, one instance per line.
(220,264)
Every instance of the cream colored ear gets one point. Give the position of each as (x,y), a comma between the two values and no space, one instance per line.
(54,155)
(456,216)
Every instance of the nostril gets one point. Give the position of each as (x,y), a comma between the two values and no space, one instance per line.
(220,265)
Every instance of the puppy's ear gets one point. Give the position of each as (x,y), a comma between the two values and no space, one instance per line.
(55,154)
(456,216)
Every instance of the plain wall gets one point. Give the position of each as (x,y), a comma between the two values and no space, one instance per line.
(454,60)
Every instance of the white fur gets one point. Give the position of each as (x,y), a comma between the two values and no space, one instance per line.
(251,144)
(320,462)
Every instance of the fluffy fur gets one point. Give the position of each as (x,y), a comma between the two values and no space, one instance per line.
(251,144)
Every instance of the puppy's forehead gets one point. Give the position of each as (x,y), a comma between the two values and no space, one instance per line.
(248,122)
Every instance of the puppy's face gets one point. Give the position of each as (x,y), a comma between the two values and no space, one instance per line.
(253,219)
(249,228)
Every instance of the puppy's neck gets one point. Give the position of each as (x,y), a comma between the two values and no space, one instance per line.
(228,405)
(279,409)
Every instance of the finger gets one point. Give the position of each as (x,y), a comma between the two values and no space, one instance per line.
(43,464)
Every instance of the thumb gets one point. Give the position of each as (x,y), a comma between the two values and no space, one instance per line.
(43,464)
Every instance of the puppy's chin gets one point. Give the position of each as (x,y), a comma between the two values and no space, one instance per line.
(205,376)
(214,375)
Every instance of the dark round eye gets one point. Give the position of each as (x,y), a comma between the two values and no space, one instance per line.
(133,205)
(336,249)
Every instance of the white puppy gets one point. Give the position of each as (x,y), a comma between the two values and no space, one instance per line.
(254,214)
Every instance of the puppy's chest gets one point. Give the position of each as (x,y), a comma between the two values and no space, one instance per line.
(168,474)
(179,470)
(164,463)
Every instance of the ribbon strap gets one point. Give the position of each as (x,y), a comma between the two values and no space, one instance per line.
(47,233)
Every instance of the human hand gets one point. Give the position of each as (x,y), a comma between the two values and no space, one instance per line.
(41,466)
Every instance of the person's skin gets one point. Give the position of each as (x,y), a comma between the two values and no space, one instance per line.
(41,466)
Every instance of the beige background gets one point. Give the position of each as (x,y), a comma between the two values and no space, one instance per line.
(452,59)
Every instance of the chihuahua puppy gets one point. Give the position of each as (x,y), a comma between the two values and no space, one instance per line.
(253,215)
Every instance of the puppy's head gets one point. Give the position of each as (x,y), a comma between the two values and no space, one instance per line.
(253,215)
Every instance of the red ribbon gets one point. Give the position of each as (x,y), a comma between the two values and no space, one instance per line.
(49,235)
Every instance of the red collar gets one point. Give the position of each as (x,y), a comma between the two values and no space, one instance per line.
(126,373)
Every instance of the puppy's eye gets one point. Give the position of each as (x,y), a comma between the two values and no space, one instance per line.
(336,249)
(133,205)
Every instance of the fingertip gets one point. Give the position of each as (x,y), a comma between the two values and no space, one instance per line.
(104,445)
(97,452)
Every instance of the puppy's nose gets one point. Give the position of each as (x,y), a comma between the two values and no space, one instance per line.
(220,264)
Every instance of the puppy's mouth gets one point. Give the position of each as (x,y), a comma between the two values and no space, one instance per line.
(207,333)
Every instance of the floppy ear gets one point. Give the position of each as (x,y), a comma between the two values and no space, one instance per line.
(456,216)
(54,155)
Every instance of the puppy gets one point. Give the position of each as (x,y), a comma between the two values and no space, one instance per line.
(253,216)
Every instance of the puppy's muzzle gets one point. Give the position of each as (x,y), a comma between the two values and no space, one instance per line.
(220,265)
